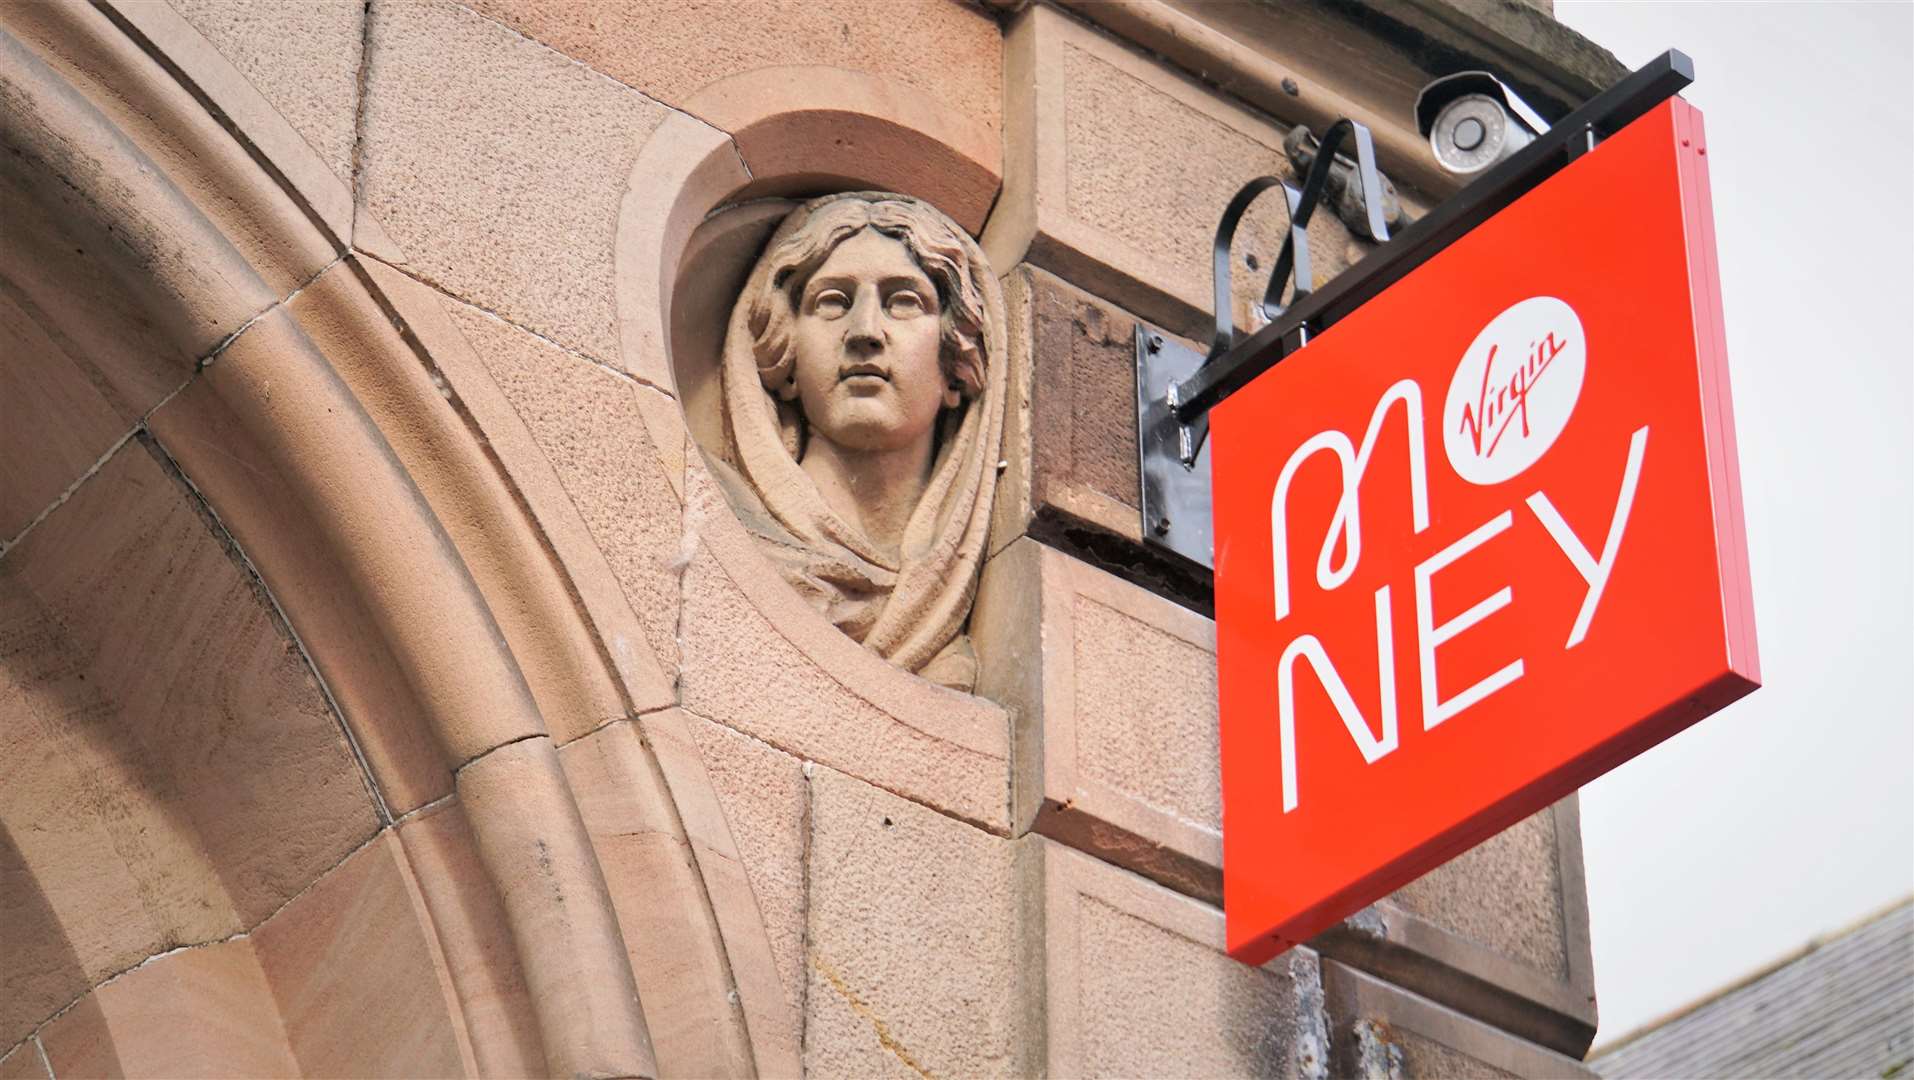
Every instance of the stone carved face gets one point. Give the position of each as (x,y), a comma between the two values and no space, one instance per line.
(863,408)
(867,344)
(884,253)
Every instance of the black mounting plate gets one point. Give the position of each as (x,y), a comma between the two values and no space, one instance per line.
(1175,497)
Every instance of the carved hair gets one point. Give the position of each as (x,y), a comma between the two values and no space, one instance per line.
(924,232)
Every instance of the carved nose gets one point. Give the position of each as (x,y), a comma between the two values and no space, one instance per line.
(865,334)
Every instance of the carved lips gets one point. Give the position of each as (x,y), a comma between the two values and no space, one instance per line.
(865,376)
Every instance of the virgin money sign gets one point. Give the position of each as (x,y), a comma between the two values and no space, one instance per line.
(1478,542)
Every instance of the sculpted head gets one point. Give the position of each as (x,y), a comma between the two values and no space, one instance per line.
(863,420)
(870,322)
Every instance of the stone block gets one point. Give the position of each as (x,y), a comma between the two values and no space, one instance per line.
(1499,932)
(24,1062)
(55,952)
(1557,66)
(1117,756)
(452,96)
(279,458)
(295,104)
(357,976)
(921,954)
(751,821)
(1382,1030)
(1070,439)
(303,59)
(1072,431)
(476,940)
(1137,984)
(59,420)
(1114,690)
(1527,927)
(1300,64)
(685,170)
(196,1012)
(1118,168)
(759,659)
(592,425)
(946,50)
(531,826)
(807,129)
(397,350)
(178,236)
(552,587)
(669,930)
(170,773)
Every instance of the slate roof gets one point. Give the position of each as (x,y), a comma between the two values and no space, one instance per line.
(1842,1007)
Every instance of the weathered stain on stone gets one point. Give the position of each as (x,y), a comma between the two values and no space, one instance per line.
(878,1027)
(1378,1057)
(1312,1017)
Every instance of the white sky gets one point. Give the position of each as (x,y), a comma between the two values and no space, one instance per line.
(1791,813)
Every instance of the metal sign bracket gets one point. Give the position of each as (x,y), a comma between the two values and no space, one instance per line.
(1176,387)
(1172,438)
(1175,492)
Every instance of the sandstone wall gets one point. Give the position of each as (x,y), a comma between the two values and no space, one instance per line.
(386,685)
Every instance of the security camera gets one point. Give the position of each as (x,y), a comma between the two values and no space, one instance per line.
(1473,120)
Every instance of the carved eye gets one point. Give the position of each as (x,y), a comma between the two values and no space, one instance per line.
(830,304)
(904,304)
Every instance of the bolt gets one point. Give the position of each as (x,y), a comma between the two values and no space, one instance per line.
(1162,526)
(1290,87)
(1156,343)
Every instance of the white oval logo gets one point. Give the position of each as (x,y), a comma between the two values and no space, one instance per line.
(1514,390)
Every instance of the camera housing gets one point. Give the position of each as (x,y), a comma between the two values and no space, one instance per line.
(1473,120)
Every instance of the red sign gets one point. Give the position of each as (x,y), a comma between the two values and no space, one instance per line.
(1480,541)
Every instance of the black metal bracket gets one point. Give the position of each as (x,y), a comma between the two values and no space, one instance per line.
(1172,471)
(1176,389)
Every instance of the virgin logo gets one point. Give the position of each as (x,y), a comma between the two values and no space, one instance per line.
(1514,390)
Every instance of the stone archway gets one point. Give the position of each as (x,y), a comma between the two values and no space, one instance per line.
(299,695)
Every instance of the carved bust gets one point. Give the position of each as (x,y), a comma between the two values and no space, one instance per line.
(863,420)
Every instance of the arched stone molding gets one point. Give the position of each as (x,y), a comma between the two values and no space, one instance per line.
(187,245)
(649,849)
(806,129)
(229,98)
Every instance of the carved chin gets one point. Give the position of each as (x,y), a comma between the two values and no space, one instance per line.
(869,424)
